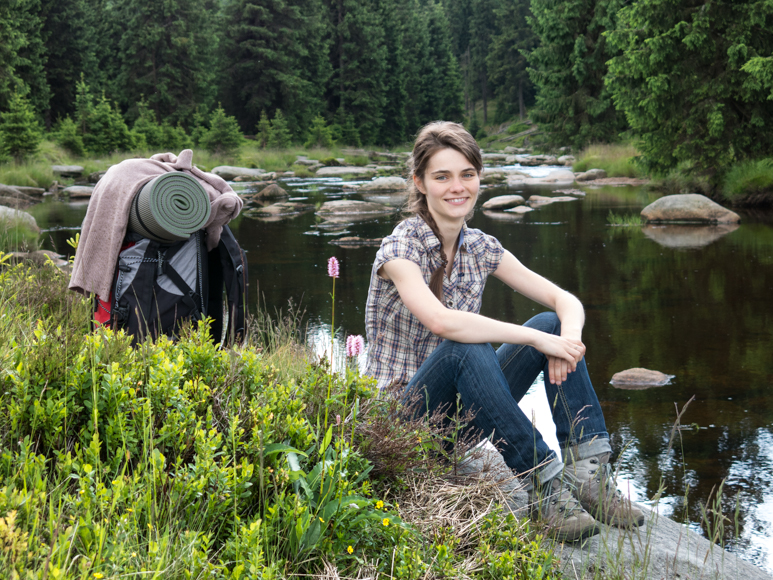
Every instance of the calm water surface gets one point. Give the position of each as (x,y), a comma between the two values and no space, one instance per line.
(654,298)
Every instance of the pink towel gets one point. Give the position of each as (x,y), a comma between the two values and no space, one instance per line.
(107,217)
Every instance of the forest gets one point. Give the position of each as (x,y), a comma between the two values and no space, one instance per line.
(690,83)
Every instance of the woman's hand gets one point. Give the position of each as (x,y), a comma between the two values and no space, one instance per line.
(563,354)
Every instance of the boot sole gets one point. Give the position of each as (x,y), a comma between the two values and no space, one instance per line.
(570,537)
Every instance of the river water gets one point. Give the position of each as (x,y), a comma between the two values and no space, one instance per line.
(691,302)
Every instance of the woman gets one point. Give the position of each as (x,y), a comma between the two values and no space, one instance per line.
(425,333)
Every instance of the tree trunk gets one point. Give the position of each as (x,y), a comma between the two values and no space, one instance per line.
(521,108)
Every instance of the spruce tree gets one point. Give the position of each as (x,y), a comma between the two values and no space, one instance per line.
(691,81)
(394,13)
(483,25)
(68,136)
(19,130)
(319,134)
(263,130)
(275,54)
(224,134)
(445,92)
(573,105)
(167,53)
(279,137)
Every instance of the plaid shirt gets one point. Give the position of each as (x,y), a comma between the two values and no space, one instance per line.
(397,342)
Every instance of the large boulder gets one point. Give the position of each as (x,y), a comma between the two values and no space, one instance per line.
(230,173)
(67,171)
(272,190)
(385,184)
(688,207)
(502,202)
(11,216)
(353,208)
(590,175)
(345,171)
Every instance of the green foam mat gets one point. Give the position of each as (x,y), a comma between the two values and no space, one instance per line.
(169,208)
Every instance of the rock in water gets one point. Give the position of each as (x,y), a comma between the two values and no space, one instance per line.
(272,190)
(230,173)
(8,214)
(384,184)
(590,175)
(688,207)
(73,171)
(349,207)
(503,202)
(78,191)
(639,379)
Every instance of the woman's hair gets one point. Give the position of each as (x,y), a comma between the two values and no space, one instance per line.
(431,139)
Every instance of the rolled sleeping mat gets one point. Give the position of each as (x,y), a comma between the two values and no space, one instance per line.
(169,208)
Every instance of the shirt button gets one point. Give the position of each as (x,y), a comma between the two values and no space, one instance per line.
(450,303)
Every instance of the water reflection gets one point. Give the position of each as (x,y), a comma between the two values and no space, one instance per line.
(702,313)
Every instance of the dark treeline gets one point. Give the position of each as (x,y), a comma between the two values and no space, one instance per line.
(690,82)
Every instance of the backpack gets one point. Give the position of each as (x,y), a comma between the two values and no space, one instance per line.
(159,286)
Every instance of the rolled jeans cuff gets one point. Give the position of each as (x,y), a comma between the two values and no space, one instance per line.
(596,446)
(550,468)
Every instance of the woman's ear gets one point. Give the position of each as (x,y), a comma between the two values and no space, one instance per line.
(419,184)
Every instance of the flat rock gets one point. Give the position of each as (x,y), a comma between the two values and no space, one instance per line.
(345,171)
(521,209)
(688,207)
(13,215)
(31,191)
(661,549)
(66,171)
(306,161)
(75,191)
(493,176)
(494,156)
(385,184)
(392,199)
(541,200)
(535,160)
(351,207)
(639,378)
(356,242)
(687,236)
(15,202)
(557,177)
(566,160)
(504,216)
(281,209)
(13,191)
(230,173)
(620,181)
(590,175)
(513,150)
(577,192)
(503,202)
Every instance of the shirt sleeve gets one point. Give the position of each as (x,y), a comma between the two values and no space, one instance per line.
(397,247)
(492,254)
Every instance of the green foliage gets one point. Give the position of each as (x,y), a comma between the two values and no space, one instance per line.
(748,178)
(158,137)
(68,136)
(319,134)
(100,123)
(573,106)
(617,159)
(349,134)
(263,130)
(615,219)
(224,134)
(19,131)
(693,81)
(17,236)
(279,137)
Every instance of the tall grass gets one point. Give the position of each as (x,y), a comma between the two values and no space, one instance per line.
(617,159)
(749,178)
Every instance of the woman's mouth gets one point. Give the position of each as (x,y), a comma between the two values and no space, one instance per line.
(457,200)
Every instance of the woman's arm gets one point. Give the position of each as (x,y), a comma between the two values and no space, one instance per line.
(469,327)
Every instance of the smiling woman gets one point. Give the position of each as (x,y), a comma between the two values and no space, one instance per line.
(428,340)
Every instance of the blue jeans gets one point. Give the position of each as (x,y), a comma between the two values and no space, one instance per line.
(490,383)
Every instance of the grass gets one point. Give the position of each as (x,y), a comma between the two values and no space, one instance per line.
(617,159)
(17,236)
(749,178)
(615,219)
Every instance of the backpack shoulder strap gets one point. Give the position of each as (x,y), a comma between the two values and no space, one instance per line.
(233,262)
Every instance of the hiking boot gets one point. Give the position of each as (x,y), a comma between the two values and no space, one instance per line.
(554,504)
(597,491)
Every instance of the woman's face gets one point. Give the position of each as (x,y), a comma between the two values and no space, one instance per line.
(451,184)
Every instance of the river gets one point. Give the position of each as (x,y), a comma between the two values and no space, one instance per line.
(674,301)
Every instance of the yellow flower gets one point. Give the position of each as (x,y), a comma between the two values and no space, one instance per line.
(323,521)
(379,504)
(350,549)
(82,491)
(150,526)
(134,554)
(385,521)
(97,575)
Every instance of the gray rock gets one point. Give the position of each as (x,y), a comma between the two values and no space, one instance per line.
(345,171)
(96,176)
(385,184)
(355,242)
(541,200)
(306,161)
(40,257)
(15,202)
(230,173)
(66,171)
(639,378)
(535,160)
(280,210)
(514,150)
(386,198)
(75,191)
(660,549)
(493,176)
(577,192)
(272,190)
(31,191)
(521,209)
(590,175)
(688,207)
(351,207)
(687,236)
(494,157)
(557,177)
(10,191)
(566,160)
(11,215)
(503,202)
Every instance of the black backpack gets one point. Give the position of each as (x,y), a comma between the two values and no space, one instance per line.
(159,286)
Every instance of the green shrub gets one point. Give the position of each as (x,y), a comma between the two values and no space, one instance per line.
(319,134)
(279,137)
(224,135)
(263,130)
(68,137)
(20,133)
(748,178)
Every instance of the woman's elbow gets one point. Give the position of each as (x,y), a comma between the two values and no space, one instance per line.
(437,325)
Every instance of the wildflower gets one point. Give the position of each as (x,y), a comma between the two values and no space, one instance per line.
(332,267)
(97,575)
(385,521)
(134,554)
(338,419)
(129,510)
(355,345)
(321,520)
(81,492)
(150,526)
(350,549)
(379,504)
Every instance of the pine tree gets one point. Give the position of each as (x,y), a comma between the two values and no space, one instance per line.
(692,82)
(68,136)
(224,135)
(447,89)
(167,53)
(319,134)
(506,61)
(19,130)
(483,25)
(573,105)
(394,14)
(275,55)
(263,130)
(279,137)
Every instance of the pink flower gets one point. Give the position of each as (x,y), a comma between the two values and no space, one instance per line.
(355,345)
(332,267)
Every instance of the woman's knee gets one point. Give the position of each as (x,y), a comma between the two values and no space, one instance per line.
(546,322)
